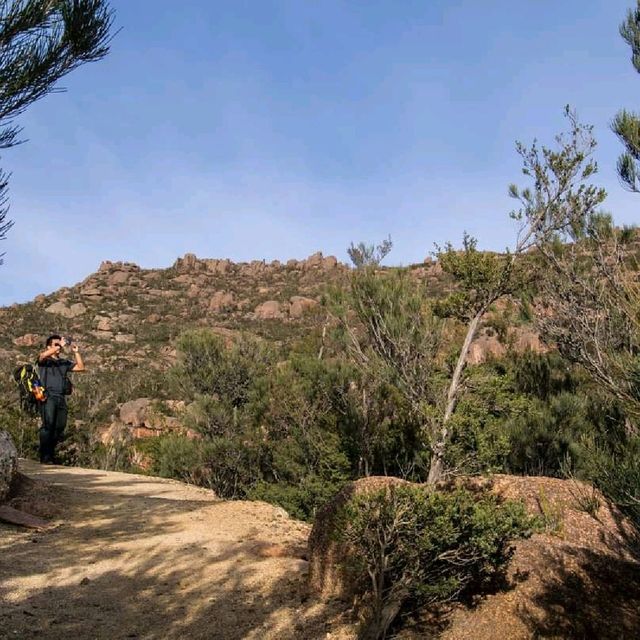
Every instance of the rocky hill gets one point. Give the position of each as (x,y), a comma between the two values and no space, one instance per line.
(127,319)
(123,311)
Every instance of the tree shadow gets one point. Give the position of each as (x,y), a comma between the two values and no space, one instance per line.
(585,594)
(151,566)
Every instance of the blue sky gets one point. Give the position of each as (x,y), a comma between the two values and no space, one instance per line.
(270,129)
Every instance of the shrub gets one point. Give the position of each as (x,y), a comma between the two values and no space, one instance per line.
(302,460)
(22,428)
(300,500)
(228,466)
(207,367)
(175,457)
(409,545)
(615,470)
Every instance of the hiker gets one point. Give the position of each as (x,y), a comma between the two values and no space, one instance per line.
(53,371)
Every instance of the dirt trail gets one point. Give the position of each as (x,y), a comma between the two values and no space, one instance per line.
(148,558)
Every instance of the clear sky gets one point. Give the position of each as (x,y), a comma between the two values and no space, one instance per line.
(270,129)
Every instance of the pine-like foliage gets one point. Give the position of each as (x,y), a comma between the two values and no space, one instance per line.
(40,42)
(626,124)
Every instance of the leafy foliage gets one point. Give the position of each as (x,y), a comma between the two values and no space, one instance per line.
(368,255)
(413,546)
(481,278)
(393,338)
(401,336)
(207,367)
(626,124)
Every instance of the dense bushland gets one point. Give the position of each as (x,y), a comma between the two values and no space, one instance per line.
(281,424)
(293,431)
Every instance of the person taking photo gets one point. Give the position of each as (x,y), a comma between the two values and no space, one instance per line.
(53,372)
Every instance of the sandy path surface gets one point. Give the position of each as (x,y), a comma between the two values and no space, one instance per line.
(138,557)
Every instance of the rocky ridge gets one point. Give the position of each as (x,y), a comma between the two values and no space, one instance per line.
(127,318)
(123,304)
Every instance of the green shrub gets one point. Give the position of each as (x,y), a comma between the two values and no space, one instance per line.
(411,546)
(303,461)
(22,428)
(300,500)
(212,418)
(228,466)
(615,470)
(207,367)
(527,415)
(175,457)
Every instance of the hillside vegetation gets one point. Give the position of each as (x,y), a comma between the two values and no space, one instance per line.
(210,362)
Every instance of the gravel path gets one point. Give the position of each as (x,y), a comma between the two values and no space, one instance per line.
(138,557)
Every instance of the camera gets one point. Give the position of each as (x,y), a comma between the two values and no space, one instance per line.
(68,340)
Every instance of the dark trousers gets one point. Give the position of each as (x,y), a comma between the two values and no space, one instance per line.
(54,421)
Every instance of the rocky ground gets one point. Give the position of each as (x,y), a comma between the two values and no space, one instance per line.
(147,558)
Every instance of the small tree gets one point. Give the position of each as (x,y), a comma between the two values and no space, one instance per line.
(559,197)
(206,366)
(482,278)
(369,255)
(40,42)
(590,309)
(591,304)
(394,337)
(400,327)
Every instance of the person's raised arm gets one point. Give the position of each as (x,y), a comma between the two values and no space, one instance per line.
(79,365)
(52,350)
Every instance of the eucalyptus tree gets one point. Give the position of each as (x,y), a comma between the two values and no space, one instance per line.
(394,329)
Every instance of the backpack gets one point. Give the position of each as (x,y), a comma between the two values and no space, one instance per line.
(32,392)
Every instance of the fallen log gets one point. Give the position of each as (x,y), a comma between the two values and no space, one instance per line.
(21,518)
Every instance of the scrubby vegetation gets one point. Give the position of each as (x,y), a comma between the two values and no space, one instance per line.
(409,547)
(359,392)
(292,432)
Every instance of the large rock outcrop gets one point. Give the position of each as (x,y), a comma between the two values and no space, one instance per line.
(141,418)
(8,464)
(301,305)
(61,309)
(269,310)
(578,577)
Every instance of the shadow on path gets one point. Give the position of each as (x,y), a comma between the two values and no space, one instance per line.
(135,560)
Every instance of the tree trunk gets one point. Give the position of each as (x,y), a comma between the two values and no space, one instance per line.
(376,629)
(436,468)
